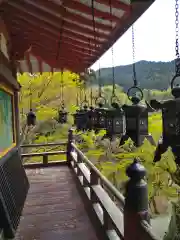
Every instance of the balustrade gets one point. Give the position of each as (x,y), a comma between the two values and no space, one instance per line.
(115,216)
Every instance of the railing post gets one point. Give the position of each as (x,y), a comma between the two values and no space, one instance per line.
(136,201)
(69,146)
(45,160)
(93,181)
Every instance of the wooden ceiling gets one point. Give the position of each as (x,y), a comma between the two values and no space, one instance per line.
(70,34)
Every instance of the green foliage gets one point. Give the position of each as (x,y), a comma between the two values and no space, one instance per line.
(174,226)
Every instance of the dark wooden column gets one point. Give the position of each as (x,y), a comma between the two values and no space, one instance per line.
(16,113)
(16,96)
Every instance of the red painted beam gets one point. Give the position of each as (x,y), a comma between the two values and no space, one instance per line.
(65,32)
(39,12)
(58,65)
(78,6)
(35,38)
(116,4)
(48,41)
(59,10)
(65,55)
(49,19)
(50,35)
(18,20)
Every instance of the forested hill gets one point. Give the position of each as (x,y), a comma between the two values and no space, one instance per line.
(150,75)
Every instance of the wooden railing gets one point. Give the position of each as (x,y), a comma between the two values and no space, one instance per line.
(116,217)
(113,212)
(44,155)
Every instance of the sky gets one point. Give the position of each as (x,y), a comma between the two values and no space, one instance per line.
(154,38)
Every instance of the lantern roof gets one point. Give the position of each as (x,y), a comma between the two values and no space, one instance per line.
(61,34)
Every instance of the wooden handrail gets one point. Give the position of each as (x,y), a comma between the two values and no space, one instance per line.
(109,215)
(104,180)
(23,155)
(43,145)
(44,155)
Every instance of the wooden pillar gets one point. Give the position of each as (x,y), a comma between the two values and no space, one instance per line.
(136,201)
(16,113)
(69,146)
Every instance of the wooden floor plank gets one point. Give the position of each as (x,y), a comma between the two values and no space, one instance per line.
(54,209)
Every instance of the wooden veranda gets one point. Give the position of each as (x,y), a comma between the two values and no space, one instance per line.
(75,201)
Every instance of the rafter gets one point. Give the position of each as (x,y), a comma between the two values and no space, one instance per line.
(50,41)
(78,6)
(116,4)
(49,6)
(64,45)
(51,34)
(37,23)
(52,21)
(65,53)
(57,16)
(29,40)
(58,65)
(22,20)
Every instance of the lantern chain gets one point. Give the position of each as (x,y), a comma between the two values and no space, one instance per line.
(177,37)
(84,88)
(77,94)
(133,54)
(112,54)
(99,80)
(30,95)
(94,28)
(62,88)
(91,93)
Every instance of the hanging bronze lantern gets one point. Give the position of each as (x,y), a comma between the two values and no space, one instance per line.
(62,115)
(100,114)
(31,118)
(115,120)
(136,119)
(91,118)
(77,119)
(81,119)
(171,122)
(171,109)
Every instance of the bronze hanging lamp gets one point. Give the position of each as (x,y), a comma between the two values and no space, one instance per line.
(62,113)
(115,117)
(31,116)
(99,113)
(91,113)
(137,113)
(78,97)
(82,114)
(171,108)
